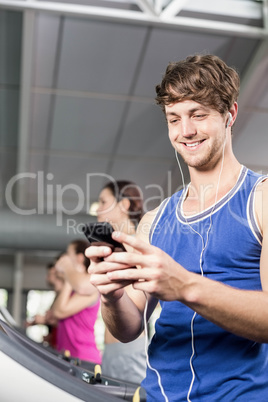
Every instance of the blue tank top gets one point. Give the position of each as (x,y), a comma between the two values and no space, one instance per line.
(226,367)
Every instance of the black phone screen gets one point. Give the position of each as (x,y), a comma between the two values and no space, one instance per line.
(101,232)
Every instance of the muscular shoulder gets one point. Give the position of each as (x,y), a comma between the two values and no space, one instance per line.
(145,224)
(261,202)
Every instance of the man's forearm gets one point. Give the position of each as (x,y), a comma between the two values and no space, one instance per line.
(122,318)
(242,312)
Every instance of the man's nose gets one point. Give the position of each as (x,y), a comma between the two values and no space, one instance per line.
(188,128)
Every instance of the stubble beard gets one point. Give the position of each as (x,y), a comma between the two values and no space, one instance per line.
(208,160)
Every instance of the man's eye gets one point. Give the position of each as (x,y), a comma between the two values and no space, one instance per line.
(200,116)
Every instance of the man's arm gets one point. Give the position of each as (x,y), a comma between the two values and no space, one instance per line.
(242,312)
(239,311)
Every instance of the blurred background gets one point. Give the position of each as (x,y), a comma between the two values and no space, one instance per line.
(77,87)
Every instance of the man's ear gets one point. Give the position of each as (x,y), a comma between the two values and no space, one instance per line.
(233,111)
(125,203)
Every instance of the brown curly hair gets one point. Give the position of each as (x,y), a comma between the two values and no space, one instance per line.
(205,79)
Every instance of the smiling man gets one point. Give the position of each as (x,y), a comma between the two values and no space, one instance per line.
(203,253)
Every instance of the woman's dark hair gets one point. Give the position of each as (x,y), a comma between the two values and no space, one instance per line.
(79,247)
(205,79)
(130,190)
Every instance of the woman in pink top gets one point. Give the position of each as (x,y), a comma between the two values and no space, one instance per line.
(76,313)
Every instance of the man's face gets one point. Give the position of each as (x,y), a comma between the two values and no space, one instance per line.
(197,132)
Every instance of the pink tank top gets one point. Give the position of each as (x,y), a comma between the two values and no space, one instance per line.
(76,334)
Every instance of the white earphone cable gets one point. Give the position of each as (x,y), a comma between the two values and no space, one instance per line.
(200,259)
(146,350)
(202,273)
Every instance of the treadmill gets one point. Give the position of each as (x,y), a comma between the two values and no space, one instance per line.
(29,373)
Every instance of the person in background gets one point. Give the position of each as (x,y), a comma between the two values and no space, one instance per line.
(76,313)
(120,204)
(48,319)
(52,323)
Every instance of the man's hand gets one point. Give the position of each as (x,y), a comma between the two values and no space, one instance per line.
(158,274)
(98,269)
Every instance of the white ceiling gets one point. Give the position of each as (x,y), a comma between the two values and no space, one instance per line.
(84,93)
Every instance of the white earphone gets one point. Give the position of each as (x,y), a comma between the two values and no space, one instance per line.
(229,120)
(204,246)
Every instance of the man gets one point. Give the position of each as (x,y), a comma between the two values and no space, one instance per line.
(205,256)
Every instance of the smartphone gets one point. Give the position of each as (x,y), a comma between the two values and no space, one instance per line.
(100,233)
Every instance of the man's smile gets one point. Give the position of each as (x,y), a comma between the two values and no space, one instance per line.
(192,145)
